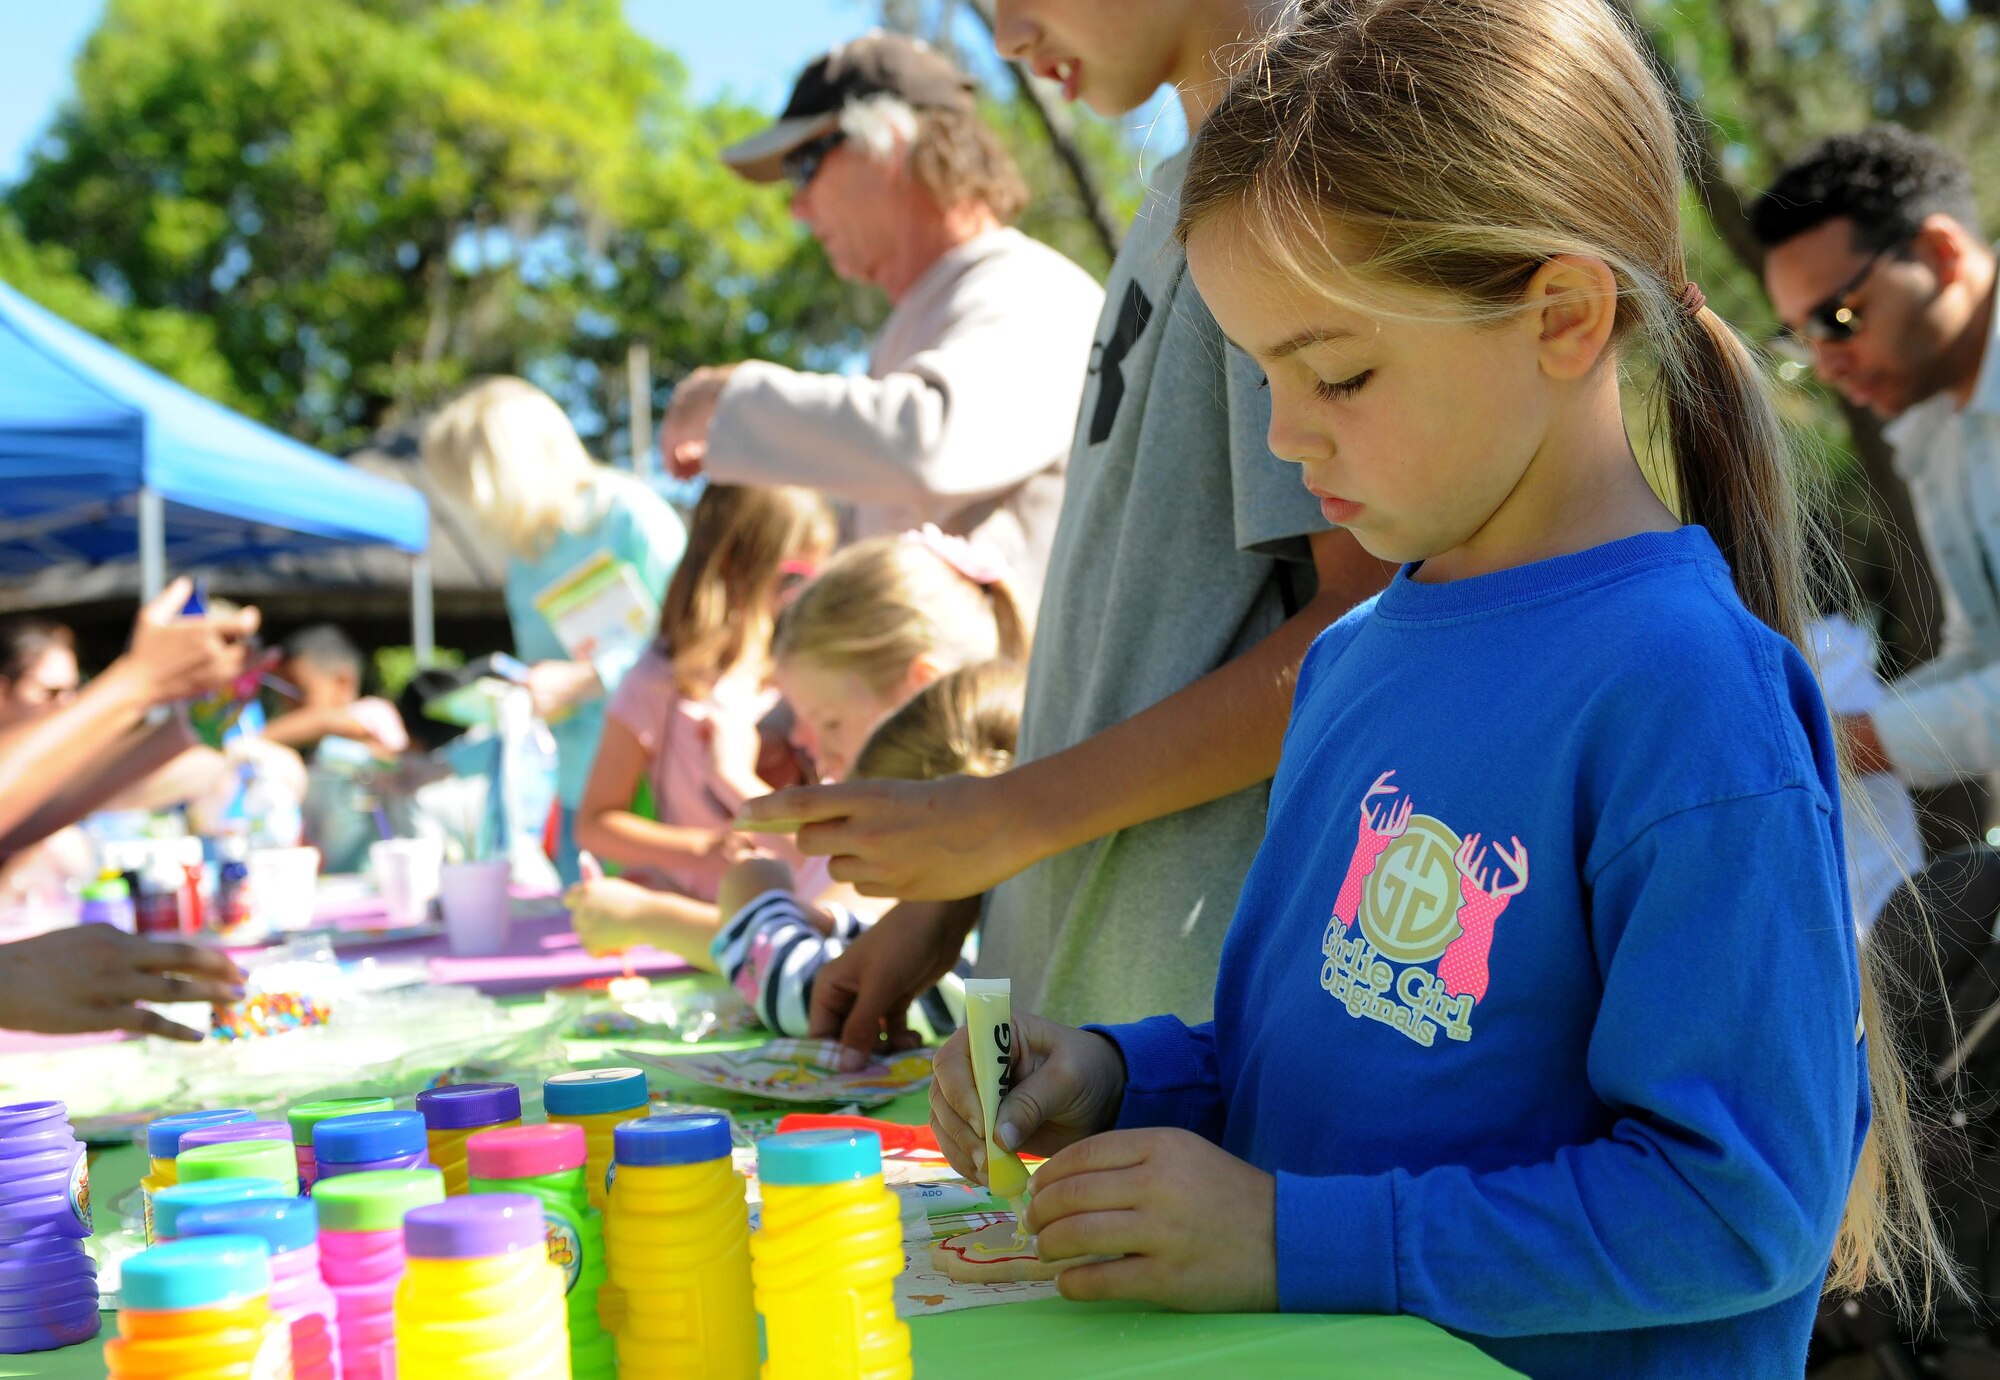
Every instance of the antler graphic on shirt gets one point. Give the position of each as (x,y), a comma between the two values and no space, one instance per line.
(1379,828)
(1462,969)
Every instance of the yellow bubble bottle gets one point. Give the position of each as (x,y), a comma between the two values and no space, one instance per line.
(678,1242)
(199,1309)
(163,1146)
(826,1259)
(455,1113)
(597,1100)
(479,1298)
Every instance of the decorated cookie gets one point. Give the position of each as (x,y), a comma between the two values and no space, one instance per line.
(992,1255)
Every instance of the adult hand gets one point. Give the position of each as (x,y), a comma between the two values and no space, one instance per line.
(178,658)
(1192,1226)
(726,848)
(862,998)
(914,840)
(684,430)
(556,685)
(89,976)
(1068,1084)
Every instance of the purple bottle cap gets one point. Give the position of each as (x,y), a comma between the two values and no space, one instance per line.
(464,1105)
(483,1224)
(236,1130)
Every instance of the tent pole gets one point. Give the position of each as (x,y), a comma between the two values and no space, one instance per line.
(152,544)
(423,616)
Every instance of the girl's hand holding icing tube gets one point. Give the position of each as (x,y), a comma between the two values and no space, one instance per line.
(1067,1084)
(1192,1226)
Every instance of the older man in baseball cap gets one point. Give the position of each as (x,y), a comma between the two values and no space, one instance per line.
(965,416)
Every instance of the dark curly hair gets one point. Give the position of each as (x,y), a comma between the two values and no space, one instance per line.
(1884,178)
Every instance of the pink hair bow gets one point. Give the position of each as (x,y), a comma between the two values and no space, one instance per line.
(976,561)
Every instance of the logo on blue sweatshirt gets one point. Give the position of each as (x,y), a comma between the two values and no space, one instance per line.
(1416,892)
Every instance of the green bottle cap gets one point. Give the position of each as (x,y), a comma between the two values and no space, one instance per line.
(376,1199)
(307,1115)
(241,1159)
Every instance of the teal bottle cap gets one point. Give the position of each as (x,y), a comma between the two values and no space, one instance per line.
(163,1137)
(200,1272)
(591,1091)
(805,1158)
(169,1203)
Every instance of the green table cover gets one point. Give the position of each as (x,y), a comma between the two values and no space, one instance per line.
(1052,1337)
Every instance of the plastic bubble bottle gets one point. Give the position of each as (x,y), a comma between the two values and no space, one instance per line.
(678,1241)
(308,1115)
(361,1259)
(48,1282)
(170,1203)
(452,1114)
(241,1159)
(289,1228)
(547,1162)
(480,1299)
(199,1310)
(163,1146)
(826,1259)
(370,1141)
(597,1100)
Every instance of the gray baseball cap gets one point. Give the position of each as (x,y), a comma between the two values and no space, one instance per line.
(877,63)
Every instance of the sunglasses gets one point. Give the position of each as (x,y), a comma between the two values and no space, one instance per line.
(802,163)
(1835,320)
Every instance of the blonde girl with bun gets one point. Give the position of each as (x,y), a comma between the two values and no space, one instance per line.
(506,450)
(1542,1014)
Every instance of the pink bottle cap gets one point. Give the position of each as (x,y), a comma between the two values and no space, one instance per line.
(525,1152)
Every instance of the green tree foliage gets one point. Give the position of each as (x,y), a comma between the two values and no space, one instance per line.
(177,344)
(371,200)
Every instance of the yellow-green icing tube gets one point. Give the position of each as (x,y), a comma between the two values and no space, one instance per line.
(989,1023)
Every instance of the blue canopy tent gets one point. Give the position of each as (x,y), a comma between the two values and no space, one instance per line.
(101,457)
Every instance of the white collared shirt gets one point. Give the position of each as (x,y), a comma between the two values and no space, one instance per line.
(1942,721)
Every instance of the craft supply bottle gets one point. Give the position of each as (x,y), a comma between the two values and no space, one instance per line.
(453,1113)
(163,1145)
(289,1228)
(480,1299)
(597,1100)
(677,1240)
(240,1159)
(547,1162)
(361,1259)
(170,1204)
(108,901)
(48,1282)
(370,1141)
(237,1130)
(826,1259)
(307,1115)
(198,1310)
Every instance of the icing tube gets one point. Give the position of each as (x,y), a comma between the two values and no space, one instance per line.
(989,1025)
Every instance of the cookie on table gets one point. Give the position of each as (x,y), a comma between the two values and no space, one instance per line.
(992,1255)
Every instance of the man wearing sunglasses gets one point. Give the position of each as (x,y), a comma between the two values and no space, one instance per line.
(1876,267)
(965,415)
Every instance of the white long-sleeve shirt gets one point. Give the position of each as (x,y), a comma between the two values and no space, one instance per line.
(964,418)
(1942,721)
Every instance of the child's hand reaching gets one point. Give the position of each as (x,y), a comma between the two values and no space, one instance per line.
(1195,1227)
(607,913)
(1067,1085)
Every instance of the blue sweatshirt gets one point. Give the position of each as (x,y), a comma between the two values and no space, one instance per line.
(1542,1000)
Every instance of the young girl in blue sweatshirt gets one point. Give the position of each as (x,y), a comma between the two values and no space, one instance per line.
(1541,1014)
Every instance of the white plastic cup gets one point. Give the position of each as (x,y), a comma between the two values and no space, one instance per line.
(406,873)
(283,886)
(473,896)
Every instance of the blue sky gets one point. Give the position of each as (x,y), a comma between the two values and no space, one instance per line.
(753,59)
